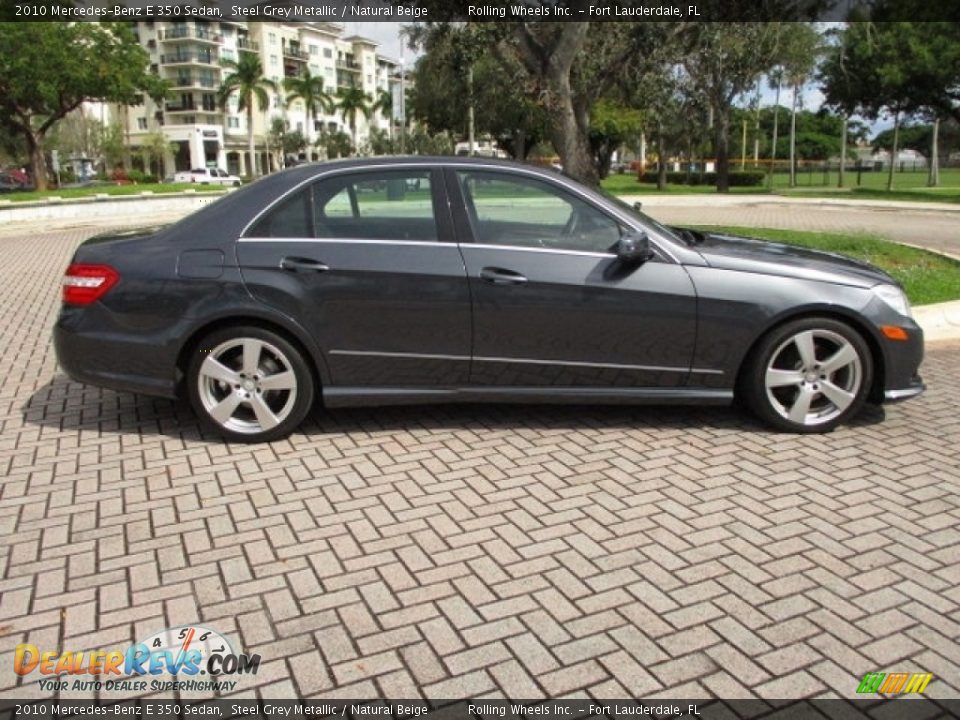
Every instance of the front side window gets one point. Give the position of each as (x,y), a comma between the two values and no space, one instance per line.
(519,211)
(376,205)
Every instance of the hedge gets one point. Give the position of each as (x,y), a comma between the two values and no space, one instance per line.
(737,179)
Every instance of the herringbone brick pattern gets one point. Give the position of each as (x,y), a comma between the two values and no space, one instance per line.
(473,551)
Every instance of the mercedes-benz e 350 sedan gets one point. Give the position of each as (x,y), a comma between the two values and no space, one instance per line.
(424,280)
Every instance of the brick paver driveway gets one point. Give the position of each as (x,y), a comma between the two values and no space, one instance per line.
(478,550)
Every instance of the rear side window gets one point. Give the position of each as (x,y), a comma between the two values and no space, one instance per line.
(289,219)
(376,205)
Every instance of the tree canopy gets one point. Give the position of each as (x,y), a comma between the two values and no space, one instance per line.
(48,69)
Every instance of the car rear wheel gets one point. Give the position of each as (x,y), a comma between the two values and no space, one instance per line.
(809,375)
(249,384)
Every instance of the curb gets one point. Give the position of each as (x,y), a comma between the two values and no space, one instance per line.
(940,322)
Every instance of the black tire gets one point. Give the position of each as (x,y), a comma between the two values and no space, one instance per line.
(825,394)
(280,387)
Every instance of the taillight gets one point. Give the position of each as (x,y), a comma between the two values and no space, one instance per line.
(84,284)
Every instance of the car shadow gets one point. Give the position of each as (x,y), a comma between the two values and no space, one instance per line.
(66,405)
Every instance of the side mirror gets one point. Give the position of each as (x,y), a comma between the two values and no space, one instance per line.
(634,248)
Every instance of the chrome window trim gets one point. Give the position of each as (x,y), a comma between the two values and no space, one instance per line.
(661,244)
(525,361)
(359,241)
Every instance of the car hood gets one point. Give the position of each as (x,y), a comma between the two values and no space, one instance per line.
(734,252)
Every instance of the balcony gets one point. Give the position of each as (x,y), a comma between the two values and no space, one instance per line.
(348,65)
(185,32)
(192,81)
(289,51)
(187,58)
(245,44)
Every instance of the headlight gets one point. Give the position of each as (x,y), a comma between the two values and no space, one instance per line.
(894,297)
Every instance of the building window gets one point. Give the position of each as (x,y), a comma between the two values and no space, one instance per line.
(233,123)
(273,60)
(327,53)
(273,38)
(141,123)
(314,50)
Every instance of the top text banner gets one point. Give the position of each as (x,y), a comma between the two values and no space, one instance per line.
(406,11)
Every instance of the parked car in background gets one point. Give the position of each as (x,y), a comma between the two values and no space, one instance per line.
(425,280)
(14,180)
(207,176)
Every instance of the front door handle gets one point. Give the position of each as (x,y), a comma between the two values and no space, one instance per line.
(499,276)
(301,264)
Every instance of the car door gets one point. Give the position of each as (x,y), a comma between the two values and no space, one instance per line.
(552,305)
(365,259)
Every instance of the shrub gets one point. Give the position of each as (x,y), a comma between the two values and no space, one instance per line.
(139,177)
(737,179)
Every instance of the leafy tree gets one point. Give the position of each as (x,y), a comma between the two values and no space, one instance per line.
(48,69)
(919,137)
(155,147)
(723,62)
(504,110)
(245,79)
(335,144)
(888,69)
(799,47)
(353,101)
(611,125)
(309,89)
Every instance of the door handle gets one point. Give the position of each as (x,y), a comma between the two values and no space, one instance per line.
(300,264)
(499,276)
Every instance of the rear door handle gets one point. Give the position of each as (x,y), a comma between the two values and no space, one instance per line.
(499,276)
(300,264)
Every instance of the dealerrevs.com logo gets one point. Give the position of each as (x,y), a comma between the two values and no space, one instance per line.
(191,651)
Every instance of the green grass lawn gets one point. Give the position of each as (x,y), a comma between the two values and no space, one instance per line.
(910,185)
(82,192)
(927,277)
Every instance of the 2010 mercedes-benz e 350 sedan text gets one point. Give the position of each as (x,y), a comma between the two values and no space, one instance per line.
(424,280)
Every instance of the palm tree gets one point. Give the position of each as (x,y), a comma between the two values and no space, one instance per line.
(353,100)
(309,88)
(384,105)
(246,80)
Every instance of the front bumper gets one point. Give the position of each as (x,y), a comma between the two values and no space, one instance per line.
(915,388)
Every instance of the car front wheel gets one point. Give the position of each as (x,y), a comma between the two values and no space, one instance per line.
(249,384)
(808,375)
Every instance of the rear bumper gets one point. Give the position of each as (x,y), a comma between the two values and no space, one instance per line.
(101,360)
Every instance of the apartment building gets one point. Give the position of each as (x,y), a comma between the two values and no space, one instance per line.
(188,54)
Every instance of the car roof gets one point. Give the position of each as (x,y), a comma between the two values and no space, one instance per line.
(231,214)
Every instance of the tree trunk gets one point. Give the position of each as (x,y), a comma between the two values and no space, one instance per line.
(471,132)
(843,151)
(38,162)
(251,147)
(570,138)
(520,145)
(893,152)
(309,133)
(933,179)
(661,160)
(722,144)
(793,137)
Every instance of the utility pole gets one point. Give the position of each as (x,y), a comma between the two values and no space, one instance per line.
(776,119)
(471,137)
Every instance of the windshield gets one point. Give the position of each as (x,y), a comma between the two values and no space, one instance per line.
(642,216)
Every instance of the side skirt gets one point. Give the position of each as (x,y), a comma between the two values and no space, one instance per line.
(362,396)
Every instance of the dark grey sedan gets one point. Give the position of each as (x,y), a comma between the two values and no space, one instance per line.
(425,280)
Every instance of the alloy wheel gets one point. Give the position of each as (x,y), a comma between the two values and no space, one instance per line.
(813,377)
(247,385)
